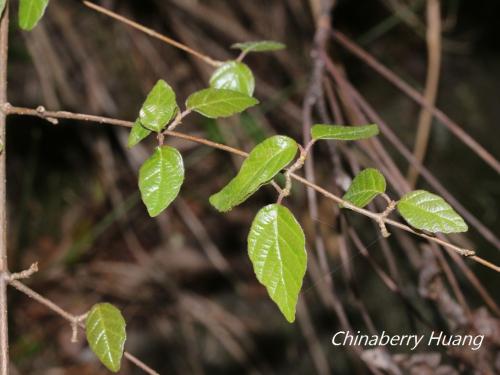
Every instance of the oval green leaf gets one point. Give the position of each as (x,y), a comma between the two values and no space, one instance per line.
(235,76)
(430,212)
(259,46)
(215,103)
(264,162)
(343,133)
(276,246)
(137,133)
(160,179)
(159,108)
(366,185)
(106,335)
(30,12)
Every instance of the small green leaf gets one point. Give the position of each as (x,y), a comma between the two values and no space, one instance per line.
(276,246)
(264,162)
(343,133)
(160,179)
(137,133)
(2,6)
(214,103)
(159,108)
(366,185)
(235,76)
(105,330)
(259,46)
(427,211)
(30,12)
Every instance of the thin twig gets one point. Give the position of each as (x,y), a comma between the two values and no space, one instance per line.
(431,86)
(372,215)
(154,34)
(74,320)
(452,126)
(4,333)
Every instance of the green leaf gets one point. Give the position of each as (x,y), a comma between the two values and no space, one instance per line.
(259,46)
(159,108)
(235,76)
(160,179)
(105,330)
(30,12)
(137,133)
(214,103)
(343,133)
(366,185)
(264,162)
(276,246)
(2,6)
(430,212)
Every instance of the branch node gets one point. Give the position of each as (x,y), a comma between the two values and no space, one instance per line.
(26,274)
(75,323)
(381,219)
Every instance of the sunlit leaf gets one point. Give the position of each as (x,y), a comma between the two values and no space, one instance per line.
(30,12)
(366,185)
(427,211)
(214,103)
(276,246)
(105,330)
(137,133)
(160,179)
(343,133)
(235,76)
(159,108)
(259,46)
(264,162)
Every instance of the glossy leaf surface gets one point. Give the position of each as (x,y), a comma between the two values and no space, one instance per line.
(235,76)
(106,335)
(215,103)
(430,212)
(276,246)
(159,107)
(160,179)
(264,162)
(366,185)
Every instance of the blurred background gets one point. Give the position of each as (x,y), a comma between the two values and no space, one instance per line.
(184,281)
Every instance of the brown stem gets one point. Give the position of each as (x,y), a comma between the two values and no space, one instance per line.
(4,333)
(8,109)
(154,34)
(431,86)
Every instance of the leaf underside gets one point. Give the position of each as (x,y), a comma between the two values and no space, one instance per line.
(366,185)
(159,107)
(276,247)
(264,162)
(430,212)
(235,76)
(343,133)
(215,103)
(31,12)
(137,133)
(106,335)
(160,179)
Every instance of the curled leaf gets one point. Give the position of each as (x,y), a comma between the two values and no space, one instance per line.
(137,133)
(159,107)
(259,46)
